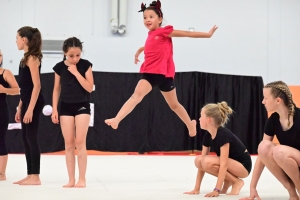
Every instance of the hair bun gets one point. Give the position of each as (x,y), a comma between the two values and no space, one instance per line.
(220,112)
(34,30)
(224,108)
(153,3)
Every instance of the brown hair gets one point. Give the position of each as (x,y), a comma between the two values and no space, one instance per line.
(279,89)
(71,42)
(34,44)
(220,112)
(155,6)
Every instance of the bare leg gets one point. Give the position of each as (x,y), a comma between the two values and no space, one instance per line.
(265,153)
(68,130)
(3,163)
(82,125)
(233,181)
(200,175)
(171,99)
(201,170)
(142,89)
(235,171)
(288,159)
(227,184)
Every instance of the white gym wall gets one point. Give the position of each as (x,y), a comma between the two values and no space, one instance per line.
(258,37)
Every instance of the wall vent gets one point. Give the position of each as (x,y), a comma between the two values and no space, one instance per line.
(52,46)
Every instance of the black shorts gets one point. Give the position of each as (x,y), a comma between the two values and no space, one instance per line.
(165,84)
(246,161)
(73,109)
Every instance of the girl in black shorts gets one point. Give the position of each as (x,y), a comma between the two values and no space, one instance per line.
(73,84)
(158,68)
(232,162)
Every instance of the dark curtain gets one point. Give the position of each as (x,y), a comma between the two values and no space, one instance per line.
(153,126)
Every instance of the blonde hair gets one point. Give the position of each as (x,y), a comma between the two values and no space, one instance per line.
(279,89)
(220,112)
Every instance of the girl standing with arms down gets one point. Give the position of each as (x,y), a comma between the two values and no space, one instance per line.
(73,84)
(158,68)
(8,86)
(232,162)
(32,101)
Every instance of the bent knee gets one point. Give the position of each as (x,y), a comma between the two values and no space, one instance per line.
(279,152)
(207,163)
(265,147)
(198,161)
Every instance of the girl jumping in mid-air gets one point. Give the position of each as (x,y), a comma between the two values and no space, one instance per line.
(158,68)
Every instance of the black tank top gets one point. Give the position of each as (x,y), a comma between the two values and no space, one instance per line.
(4,84)
(26,84)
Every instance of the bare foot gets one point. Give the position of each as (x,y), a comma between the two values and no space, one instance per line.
(70,184)
(33,180)
(112,122)
(193,130)
(294,198)
(2,177)
(225,187)
(192,192)
(22,180)
(80,184)
(236,187)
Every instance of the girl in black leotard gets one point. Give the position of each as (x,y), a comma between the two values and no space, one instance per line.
(232,162)
(283,160)
(8,86)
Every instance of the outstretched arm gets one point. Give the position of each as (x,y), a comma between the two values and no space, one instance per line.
(192,34)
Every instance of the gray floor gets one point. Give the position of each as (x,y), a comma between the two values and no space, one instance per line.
(124,177)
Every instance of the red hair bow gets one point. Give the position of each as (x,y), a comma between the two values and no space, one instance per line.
(158,5)
(143,7)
